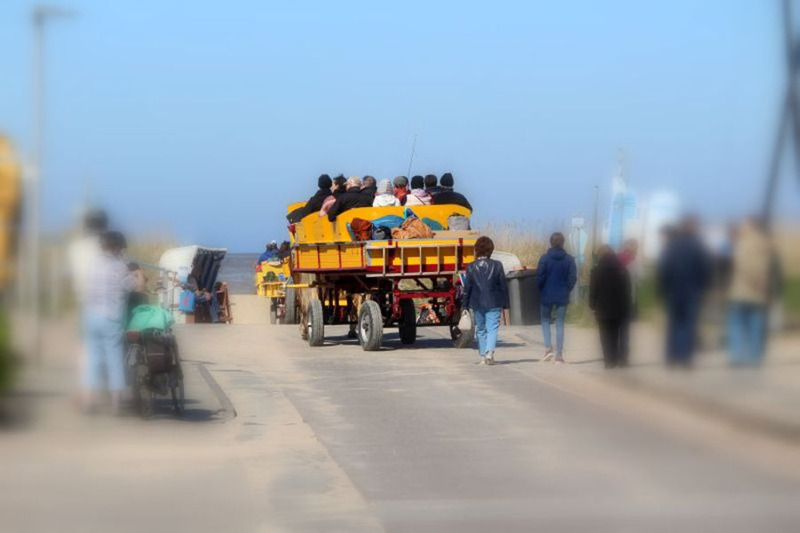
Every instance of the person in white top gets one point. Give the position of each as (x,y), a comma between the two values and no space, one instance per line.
(418,195)
(385,196)
(109,283)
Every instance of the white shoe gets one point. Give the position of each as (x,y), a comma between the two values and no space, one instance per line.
(548,356)
(490,358)
(481,362)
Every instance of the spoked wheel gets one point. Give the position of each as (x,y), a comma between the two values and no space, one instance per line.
(273,311)
(316,324)
(408,321)
(463,332)
(370,326)
(177,393)
(143,392)
(290,306)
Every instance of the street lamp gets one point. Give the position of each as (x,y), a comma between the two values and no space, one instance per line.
(41,14)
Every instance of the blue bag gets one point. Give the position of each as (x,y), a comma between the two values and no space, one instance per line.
(186,302)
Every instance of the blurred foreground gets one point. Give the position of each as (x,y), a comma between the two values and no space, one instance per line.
(411,439)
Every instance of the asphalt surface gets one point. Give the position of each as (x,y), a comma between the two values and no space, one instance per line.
(431,441)
(282,437)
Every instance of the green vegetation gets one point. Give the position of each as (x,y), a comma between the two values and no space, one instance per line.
(791,298)
(6,355)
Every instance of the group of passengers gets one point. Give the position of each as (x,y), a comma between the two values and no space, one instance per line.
(337,195)
(273,252)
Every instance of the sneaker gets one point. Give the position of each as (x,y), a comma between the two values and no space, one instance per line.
(559,360)
(482,361)
(490,358)
(548,356)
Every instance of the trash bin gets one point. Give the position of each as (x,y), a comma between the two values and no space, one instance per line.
(523,295)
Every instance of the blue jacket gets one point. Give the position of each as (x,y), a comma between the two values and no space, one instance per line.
(485,287)
(556,276)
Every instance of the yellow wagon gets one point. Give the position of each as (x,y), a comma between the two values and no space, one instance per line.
(273,279)
(375,284)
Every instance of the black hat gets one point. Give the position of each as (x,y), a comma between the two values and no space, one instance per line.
(447,180)
(324,182)
(430,181)
(417,182)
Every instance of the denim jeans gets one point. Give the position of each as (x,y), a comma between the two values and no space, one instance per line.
(487,322)
(561,314)
(746,333)
(105,354)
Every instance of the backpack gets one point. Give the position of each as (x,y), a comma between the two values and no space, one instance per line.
(457,222)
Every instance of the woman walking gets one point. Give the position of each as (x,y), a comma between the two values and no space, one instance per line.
(486,293)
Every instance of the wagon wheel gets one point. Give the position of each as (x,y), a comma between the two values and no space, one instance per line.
(462,338)
(273,311)
(370,326)
(408,321)
(316,323)
(290,310)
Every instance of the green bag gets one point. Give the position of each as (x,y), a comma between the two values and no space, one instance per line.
(150,317)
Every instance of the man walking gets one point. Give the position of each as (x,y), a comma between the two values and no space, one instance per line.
(556,276)
(684,275)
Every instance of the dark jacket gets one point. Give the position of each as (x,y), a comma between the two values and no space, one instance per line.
(610,289)
(486,286)
(556,276)
(684,270)
(313,205)
(451,197)
(350,200)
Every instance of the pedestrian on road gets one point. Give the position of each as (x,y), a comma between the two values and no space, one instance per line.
(610,299)
(684,276)
(486,293)
(749,294)
(556,276)
(109,284)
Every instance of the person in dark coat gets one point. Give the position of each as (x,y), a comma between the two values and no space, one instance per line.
(684,275)
(610,299)
(486,293)
(353,197)
(432,184)
(556,276)
(314,203)
(369,188)
(446,194)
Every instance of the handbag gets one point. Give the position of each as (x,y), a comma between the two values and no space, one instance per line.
(186,301)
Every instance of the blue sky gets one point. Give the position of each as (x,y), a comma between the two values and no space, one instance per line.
(204,119)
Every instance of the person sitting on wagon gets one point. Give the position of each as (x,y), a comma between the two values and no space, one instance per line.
(285,250)
(269,252)
(353,197)
(448,196)
(338,189)
(385,196)
(432,184)
(369,188)
(418,195)
(401,189)
(315,202)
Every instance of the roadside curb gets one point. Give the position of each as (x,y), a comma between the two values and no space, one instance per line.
(222,398)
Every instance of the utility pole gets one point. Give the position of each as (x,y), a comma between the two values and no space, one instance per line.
(41,14)
(789,126)
(594,224)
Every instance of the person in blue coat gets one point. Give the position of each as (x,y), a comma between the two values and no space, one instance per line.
(486,293)
(556,276)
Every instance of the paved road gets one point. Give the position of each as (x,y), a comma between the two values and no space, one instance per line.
(424,440)
(407,439)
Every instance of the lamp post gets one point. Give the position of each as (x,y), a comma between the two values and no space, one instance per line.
(41,15)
